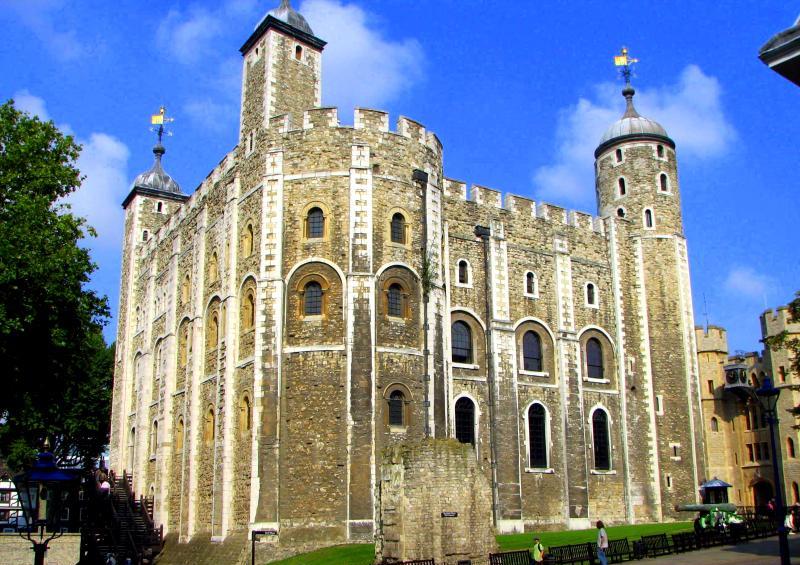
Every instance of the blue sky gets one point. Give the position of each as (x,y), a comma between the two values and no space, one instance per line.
(518,92)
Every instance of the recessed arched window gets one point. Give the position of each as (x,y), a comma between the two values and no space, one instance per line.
(594,358)
(663,182)
(395,300)
(247,240)
(618,154)
(591,295)
(398,228)
(312,299)
(714,425)
(132,449)
(179,430)
(186,289)
(183,345)
(537,436)
(248,310)
(315,223)
(463,272)
(621,212)
(648,218)
(462,343)
(396,407)
(602,448)
(213,268)
(212,331)
(790,447)
(465,420)
(298,53)
(208,426)
(660,151)
(621,185)
(531,287)
(154,439)
(245,414)
(532,351)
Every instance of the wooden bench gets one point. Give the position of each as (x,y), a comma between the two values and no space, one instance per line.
(619,550)
(655,545)
(522,557)
(571,554)
(684,541)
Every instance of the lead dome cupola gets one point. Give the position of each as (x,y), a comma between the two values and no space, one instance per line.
(156,178)
(289,15)
(632,125)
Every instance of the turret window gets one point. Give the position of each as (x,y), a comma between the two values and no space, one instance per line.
(621,186)
(298,53)
(649,223)
(663,182)
(660,151)
(620,212)
(145,235)
(531,285)
(464,273)
(590,295)
(618,155)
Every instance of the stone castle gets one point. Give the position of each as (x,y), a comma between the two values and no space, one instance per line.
(327,293)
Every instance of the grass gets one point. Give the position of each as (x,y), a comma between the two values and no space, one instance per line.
(364,553)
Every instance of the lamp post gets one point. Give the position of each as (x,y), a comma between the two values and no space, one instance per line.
(42,490)
(768,396)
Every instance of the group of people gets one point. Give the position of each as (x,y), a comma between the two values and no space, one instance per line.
(539,550)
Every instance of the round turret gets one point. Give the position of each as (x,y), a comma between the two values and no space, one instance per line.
(156,178)
(632,125)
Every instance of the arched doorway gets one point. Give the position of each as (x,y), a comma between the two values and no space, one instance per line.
(762,493)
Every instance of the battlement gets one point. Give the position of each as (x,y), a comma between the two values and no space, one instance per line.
(711,338)
(776,321)
(523,207)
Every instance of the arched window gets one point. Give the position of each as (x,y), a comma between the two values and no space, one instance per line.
(790,447)
(186,289)
(660,151)
(537,436)
(463,272)
(132,449)
(248,310)
(396,407)
(465,420)
(462,343)
(138,317)
(532,351)
(213,268)
(530,284)
(245,414)
(395,301)
(621,185)
(312,299)
(602,450)
(154,439)
(212,332)
(179,430)
(714,425)
(247,240)
(663,182)
(648,218)
(594,359)
(618,154)
(208,426)
(398,228)
(298,53)
(591,295)
(620,212)
(315,223)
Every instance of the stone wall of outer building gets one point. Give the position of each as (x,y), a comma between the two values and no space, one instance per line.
(434,502)
(15,550)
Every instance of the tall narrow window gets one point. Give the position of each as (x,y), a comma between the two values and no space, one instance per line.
(179,435)
(710,386)
(395,300)
(594,359)
(183,346)
(462,343)
(145,235)
(530,284)
(185,289)
(602,451)
(213,268)
(591,295)
(398,228)
(247,240)
(213,331)
(396,402)
(465,420)
(245,414)
(208,426)
(660,151)
(132,449)
(532,351)
(248,311)
(154,439)
(782,373)
(790,447)
(315,224)
(298,53)
(618,154)
(648,218)
(537,435)
(312,299)
(463,272)
(622,188)
(714,425)
(748,422)
(663,182)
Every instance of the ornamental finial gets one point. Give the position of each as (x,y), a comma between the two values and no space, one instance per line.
(159,120)
(626,64)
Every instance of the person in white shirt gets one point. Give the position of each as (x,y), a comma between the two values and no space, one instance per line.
(602,543)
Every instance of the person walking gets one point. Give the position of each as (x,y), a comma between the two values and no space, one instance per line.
(602,542)
(538,551)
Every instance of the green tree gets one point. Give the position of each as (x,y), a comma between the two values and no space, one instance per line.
(790,342)
(56,368)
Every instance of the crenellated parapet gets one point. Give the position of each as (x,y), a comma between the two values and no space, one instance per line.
(711,339)
(776,321)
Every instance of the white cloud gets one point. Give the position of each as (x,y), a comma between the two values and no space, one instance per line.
(361,67)
(27,102)
(41,17)
(690,110)
(748,283)
(189,37)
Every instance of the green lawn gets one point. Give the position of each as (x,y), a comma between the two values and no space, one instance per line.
(364,554)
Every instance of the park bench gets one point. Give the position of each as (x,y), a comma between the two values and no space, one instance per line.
(571,554)
(619,550)
(655,545)
(684,541)
(522,557)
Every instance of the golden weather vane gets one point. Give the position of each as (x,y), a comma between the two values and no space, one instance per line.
(625,63)
(159,120)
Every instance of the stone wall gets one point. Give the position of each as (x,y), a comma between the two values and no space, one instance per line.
(15,550)
(434,503)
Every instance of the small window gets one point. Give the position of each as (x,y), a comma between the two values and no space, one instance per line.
(159,207)
(620,212)
(213,268)
(298,53)
(531,286)
(398,228)
(591,295)
(710,383)
(248,310)
(312,299)
(669,481)
(648,218)
(618,154)
(714,425)
(395,301)
(465,420)
(315,224)
(663,182)
(782,374)
(463,272)
(247,240)
(179,435)
(790,448)
(532,351)
(537,436)
(396,407)
(145,235)
(594,359)
(185,289)
(154,439)
(660,151)
(212,330)
(602,450)
(462,343)
(208,426)
(245,414)
(676,450)
(621,185)
(660,404)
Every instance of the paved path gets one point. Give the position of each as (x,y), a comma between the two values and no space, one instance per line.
(757,552)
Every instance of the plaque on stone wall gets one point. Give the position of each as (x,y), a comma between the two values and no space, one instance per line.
(449,514)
